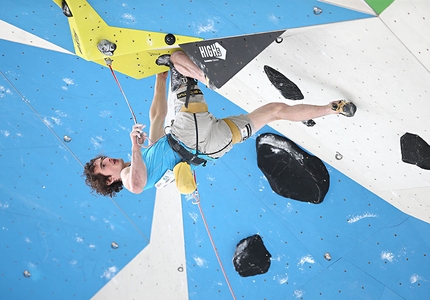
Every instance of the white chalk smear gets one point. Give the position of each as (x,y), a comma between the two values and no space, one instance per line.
(279,146)
(305,259)
(97,142)
(276,150)
(353,219)
(129,17)
(194,216)
(210,26)
(4,90)
(4,205)
(273,19)
(281,279)
(105,113)
(415,277)
(298,293)
(56,120)
(201,262)
(277,258)
(47,122)
(387,256)
(68,81)
(261,186)
(288,208)
(189,197)
(110,272)
(5,133)
(60,113)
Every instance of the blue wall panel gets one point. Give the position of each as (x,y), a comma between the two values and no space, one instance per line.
(341,281)
(65,261)
(238,202)
(206,19)
(53,227)
(62,235)
(210,19)
(398,257)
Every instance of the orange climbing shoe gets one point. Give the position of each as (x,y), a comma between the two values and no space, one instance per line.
(344,107)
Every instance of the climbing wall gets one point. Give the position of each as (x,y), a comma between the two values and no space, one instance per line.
(44,121)
(368,239)
(343,74)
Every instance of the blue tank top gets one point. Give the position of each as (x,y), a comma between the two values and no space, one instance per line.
(158,159)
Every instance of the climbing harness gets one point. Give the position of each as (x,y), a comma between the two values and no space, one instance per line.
(185,155)
(109,64)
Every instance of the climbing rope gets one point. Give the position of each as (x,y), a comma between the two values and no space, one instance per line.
(196,197)
(108,62)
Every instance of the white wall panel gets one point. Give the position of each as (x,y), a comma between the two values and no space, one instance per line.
(364,62)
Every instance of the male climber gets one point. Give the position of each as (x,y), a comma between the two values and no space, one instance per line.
(193,127)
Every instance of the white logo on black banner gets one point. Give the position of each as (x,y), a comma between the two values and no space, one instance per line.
(213,52)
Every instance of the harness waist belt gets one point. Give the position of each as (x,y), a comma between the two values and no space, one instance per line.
(184,153)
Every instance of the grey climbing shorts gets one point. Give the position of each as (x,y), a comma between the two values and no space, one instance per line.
(215,136)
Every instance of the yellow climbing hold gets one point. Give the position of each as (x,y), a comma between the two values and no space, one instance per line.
(136,50)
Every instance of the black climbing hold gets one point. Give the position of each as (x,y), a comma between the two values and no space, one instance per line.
(287,88)
(415,150)
(66,10)
(309,123)
(291,172)
(251,257)
(169,39)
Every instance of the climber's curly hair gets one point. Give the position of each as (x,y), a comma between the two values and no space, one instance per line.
(98,182)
